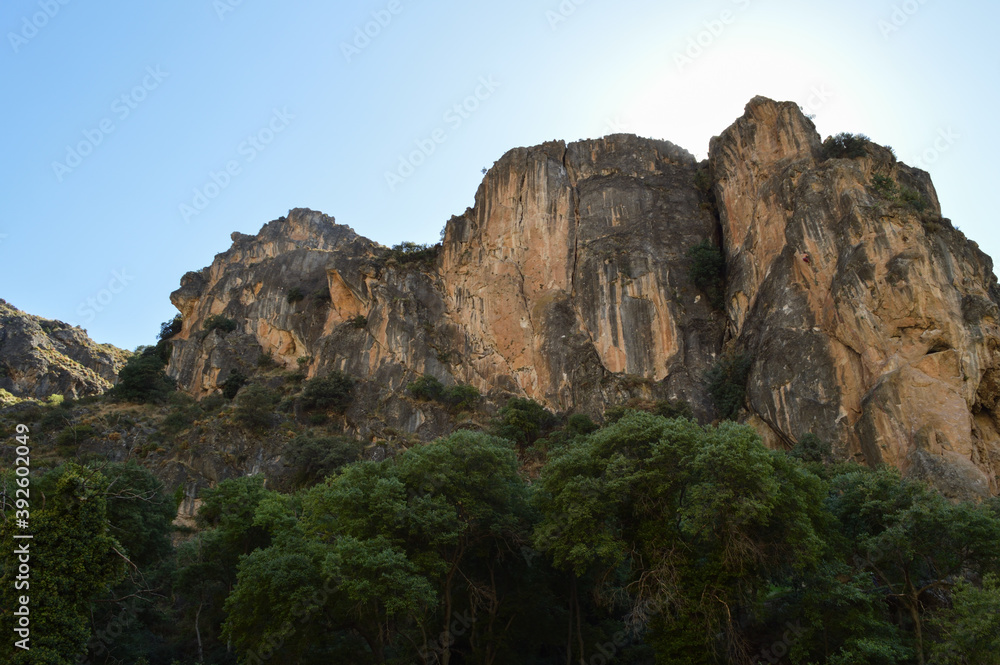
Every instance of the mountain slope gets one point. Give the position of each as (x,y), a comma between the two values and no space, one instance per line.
(866,318)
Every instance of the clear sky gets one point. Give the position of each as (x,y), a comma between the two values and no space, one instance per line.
(138,135)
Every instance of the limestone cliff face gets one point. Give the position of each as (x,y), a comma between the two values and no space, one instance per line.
(870,322)
(566,282)
(40,357)
(570,274)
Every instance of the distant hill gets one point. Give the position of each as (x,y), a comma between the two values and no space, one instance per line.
(41,357)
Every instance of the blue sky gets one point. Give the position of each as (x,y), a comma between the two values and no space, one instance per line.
(118,115)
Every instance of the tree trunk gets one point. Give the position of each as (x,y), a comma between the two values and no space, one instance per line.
(579,624)
(918,632)
(197,633)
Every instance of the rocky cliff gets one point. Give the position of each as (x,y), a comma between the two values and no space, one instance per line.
(870,319)
(41,357)
(867,319)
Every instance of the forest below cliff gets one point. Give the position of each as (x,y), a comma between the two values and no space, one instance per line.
(522,537)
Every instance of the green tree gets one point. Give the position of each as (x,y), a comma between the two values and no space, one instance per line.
(522,421)
(143,380)
(703,518)
(727,383)
(913,540)
(970,628)
(313,458)
(207,564)
(708,271)
(73,558)
(255,405)
(331,392)
(402,547)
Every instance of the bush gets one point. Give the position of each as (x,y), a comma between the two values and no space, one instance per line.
(708,271)
(332,392)
(727,383)
(232,384)
(170,328)
(75,434)
(457,398)
(426,388)
(460,397)
(912,199)
(845,146)
(295,295)
(143,380)
(314,458)
(811,448)
(359,321)
(580,423)
(884,186)
(255,406)
(220,323)
(412,253)
(266,361)
(673,409)
(522,421)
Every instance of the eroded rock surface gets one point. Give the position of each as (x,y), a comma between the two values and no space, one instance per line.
(41,357)
(869,322)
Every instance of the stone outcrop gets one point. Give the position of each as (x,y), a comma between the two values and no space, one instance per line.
(869,322)
(40,357)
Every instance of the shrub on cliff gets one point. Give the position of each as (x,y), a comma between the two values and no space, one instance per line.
(457,398)
(143,380)
(411,252)
(523,421)
(219,322)
(255,405)
(727,383)
(845,146)
(708,271)
(170,328)
(332,392)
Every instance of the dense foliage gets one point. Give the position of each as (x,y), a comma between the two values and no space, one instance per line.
(845,146)
(650,539)
(708,271)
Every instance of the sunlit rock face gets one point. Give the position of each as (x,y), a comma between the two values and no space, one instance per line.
(41,357)
(869,323)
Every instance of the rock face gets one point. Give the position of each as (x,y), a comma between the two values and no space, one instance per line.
(871,323)
(868,322)
(39,357)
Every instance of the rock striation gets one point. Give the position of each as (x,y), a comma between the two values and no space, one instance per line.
(871,321)
(868,319)
(41,357)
